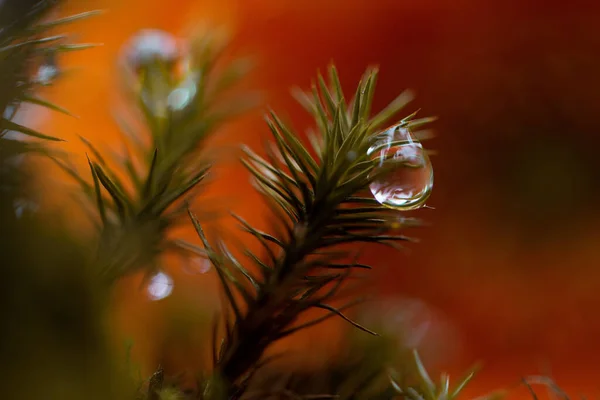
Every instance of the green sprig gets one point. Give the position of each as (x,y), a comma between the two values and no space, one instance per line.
(25,44)
(141,196)
(317,194)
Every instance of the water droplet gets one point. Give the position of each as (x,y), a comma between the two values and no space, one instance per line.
(48,71)
(150,45)
(183,95)
(406,175)
(25,207)
(196,265)
(46,74)
(160,286)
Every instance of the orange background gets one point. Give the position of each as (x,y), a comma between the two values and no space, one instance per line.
(510,258)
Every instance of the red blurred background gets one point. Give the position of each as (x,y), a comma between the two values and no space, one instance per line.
(510,258)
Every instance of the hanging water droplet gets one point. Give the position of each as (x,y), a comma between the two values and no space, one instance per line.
(160,286)
(405,173)
(150,45)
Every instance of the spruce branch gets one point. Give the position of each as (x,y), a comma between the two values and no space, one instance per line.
(318,196)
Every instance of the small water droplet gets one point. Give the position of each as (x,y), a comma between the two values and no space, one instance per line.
(46,74)
(405,172)
(160,286)
(197,265)
(351,155)
(150,45)
(183,95)
(23,207)
(48,71)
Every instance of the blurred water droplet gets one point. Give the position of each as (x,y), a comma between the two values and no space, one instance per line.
(48,71)
(150,45)
(46,74)
(196,265)
(183,95)
(201,265)
(160,286)
(405,172)
(24,206)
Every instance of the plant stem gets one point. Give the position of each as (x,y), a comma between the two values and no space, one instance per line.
(268,315)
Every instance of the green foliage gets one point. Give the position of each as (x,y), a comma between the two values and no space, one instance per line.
(146,194)
(367,369)
(29,48)
(318,195)
(425,387)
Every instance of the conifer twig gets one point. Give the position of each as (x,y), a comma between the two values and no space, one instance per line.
(140,196)
(28,60)
(318,196)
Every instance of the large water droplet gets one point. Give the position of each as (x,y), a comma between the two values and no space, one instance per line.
(405,174)
(160,286)
(150,45)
